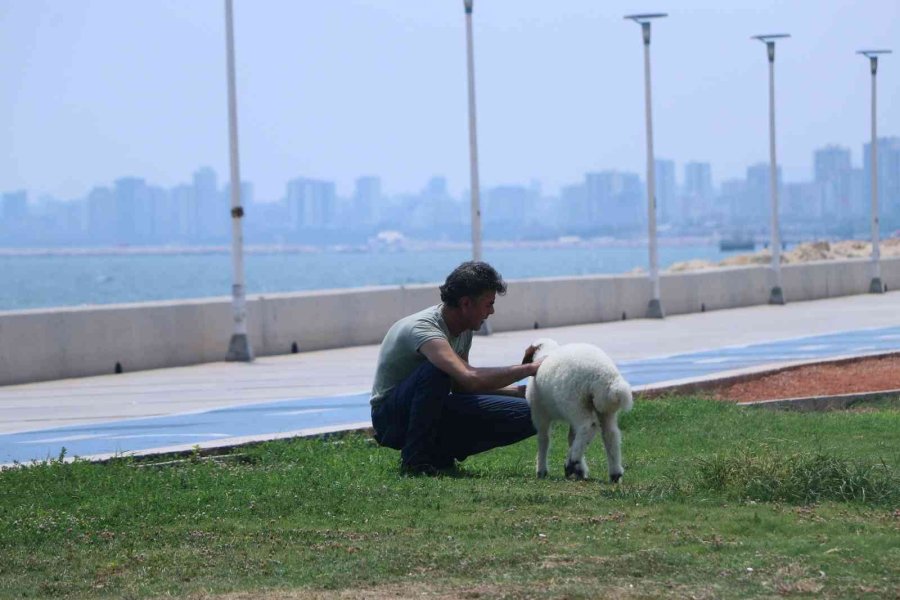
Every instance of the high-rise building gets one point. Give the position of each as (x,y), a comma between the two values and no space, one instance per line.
(573,206)
(184,205)
(757,206)
(833,173)
(697,196)
(15,206)
(436,187)
(165,216)
(801,201)
(435,210)
(888,177)
(666,190)
(366,200)
(311,203)
(213,209)
(732,202)
(509,205)
(101,209)
(614,200)
(133,210)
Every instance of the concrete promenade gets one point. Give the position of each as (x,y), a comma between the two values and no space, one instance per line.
(649,348)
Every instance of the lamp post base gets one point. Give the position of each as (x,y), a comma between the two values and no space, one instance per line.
(776,296)
(655,310)
(876,287)
(239,349)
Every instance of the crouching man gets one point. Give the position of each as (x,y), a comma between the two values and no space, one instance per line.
(427,400)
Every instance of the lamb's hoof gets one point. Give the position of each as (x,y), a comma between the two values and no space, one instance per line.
(574,469)
(615,477)
(542,474)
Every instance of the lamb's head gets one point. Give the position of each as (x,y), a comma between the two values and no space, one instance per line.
(542,347)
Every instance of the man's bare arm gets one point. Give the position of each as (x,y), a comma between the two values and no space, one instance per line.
(469,379)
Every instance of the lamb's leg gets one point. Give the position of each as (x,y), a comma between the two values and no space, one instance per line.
(575,463)
(542,424)
(612,440)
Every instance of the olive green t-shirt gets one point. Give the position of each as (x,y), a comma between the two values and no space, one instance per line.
(400,356)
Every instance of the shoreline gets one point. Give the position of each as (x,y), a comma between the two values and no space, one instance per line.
(409,245)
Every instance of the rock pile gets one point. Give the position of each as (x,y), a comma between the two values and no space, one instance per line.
(806,252)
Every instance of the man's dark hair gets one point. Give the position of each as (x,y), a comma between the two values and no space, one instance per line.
(471,279)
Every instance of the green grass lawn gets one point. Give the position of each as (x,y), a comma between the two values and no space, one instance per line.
(717,502)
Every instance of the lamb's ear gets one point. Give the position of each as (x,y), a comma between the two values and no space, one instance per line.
(530,352)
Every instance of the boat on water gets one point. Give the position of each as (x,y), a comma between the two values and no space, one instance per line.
(736,243)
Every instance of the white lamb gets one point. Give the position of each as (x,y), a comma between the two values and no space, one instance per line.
(579,384)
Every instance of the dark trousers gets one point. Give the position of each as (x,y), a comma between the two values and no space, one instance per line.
(432,426)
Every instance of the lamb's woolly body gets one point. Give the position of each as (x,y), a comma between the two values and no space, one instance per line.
(579,384)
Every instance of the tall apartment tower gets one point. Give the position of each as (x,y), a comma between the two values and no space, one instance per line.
(614,200)
(366,200)
(211,207)
(833,174)
(888,177)
(101,207)
(133,210)
(14,207)
(757,200)
(698,190)
(311,203)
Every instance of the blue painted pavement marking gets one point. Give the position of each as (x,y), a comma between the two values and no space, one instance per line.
(699,364)
(281,416)
(131,435)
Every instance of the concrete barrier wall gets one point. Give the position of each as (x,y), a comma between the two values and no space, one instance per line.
(39,345)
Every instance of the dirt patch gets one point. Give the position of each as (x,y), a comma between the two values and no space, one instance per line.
(827,379)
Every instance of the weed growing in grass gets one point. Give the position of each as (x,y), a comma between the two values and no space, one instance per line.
(768,476)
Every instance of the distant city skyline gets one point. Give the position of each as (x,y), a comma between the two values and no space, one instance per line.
(604,202)
(690,173)
(101,88)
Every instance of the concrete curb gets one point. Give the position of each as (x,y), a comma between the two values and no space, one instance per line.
(805,404)
(709,382)
(822,403)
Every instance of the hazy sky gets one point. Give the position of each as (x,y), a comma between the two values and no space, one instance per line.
(95,90)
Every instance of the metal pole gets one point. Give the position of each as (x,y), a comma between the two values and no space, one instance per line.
(654,308)
(875,286)
(239,347)
(473,139)
(776,296)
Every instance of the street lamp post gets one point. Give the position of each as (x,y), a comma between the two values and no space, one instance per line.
(776,296)
(239,347)
(875,286)
(654,308)
(473,139)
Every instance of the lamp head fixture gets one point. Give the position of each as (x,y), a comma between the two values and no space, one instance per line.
(769,41)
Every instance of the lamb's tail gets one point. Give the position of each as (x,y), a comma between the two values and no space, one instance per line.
(620,393)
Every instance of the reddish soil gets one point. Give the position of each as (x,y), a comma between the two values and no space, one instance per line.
(856,376)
